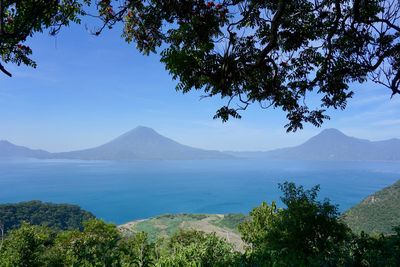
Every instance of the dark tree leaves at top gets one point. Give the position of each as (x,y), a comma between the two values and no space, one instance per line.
(275,53)
(19,20)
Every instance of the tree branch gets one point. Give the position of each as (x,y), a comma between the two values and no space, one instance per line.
(5,71)
(389,23)
(274,31)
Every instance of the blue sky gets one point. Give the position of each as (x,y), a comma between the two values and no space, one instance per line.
(88,90)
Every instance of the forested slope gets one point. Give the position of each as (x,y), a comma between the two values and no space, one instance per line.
(54,216)
(378,213)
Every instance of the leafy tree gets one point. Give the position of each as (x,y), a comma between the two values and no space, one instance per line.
(96,245)
(306,233)
(137,251)
(25,247)
(20,20)
(256,233)
(275,53)
(195,248)
(367,250)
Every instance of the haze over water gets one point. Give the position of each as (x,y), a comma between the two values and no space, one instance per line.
(122,191)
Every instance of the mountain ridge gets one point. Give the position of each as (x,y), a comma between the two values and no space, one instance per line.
(145,143)
(332,144)
(141,143)
(8,149)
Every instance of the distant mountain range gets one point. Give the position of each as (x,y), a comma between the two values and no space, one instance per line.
(9,150)
(145,143)
(140,143)
(331,144)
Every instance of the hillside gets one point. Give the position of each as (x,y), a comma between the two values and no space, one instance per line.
(141,143)
(378,213)
(8,150)
(224,226)
(332,144)
(55,216)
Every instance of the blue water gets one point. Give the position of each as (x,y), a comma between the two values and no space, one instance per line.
(122,191)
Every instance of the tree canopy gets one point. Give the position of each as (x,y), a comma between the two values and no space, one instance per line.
(20,20)
(275,53)
(55,216)
(305,232)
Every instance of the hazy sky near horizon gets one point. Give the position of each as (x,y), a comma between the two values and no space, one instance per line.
(87,90)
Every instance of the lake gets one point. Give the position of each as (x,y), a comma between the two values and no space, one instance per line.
(123,191)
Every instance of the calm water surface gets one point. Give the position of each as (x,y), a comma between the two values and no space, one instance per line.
(122,191)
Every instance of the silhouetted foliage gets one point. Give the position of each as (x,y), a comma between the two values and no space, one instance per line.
(22,19)
(274,53)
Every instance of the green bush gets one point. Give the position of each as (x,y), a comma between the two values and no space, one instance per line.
(306,232)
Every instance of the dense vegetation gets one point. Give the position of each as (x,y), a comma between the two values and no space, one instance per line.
(307,232)
(378,213)
(54,216)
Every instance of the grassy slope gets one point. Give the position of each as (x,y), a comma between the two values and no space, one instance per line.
(378,213)
(224,226)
